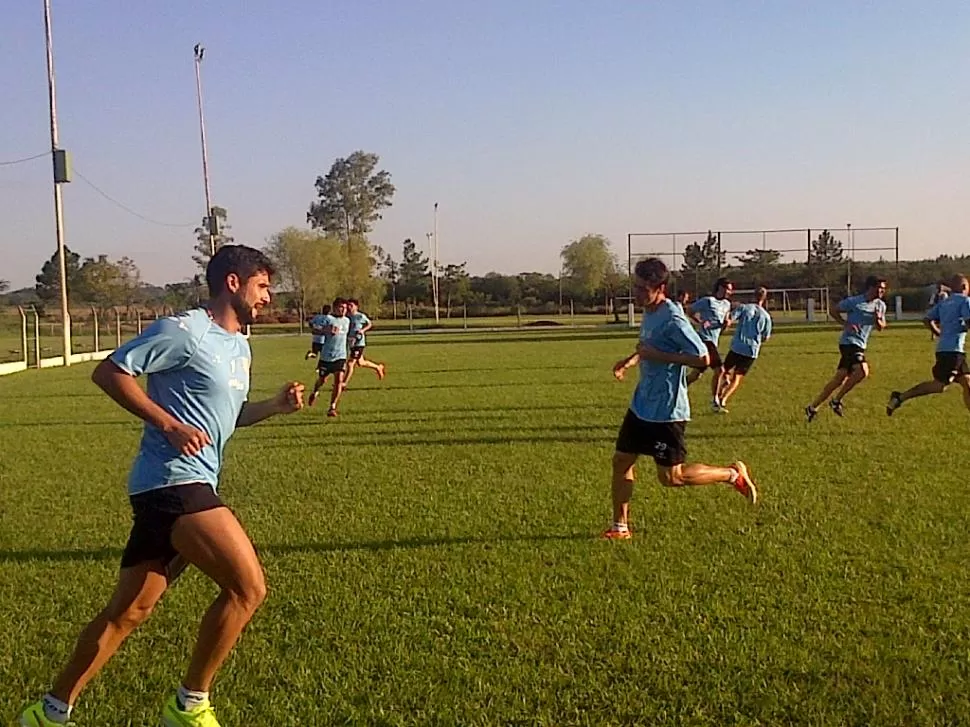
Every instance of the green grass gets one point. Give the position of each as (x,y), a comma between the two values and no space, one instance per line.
(432,558)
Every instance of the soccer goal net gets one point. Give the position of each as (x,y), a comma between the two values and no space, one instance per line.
(794,304)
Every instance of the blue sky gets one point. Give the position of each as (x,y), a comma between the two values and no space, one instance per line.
(530,123)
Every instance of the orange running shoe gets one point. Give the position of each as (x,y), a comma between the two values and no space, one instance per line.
(744,484)
(614,534)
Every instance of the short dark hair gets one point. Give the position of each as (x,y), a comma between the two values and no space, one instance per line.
(653,270)
(339,301)
(353,301)
(683,293)
(722,283)
(874,281)
(235,259)
(325,310)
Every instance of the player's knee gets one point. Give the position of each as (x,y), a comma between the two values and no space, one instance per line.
(130,616)
(670,476)
(623,464)
(249,593)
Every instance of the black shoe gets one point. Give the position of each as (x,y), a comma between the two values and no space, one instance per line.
(810,413)
(895,401)
(836,406)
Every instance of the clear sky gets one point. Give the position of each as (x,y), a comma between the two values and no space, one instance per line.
(530,122)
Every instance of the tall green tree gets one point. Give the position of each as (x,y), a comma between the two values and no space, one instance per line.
(826,249)
(455,285)
(48,280)
(107,284)
(202,252)
(587,262)
(309,264)
(351,196)
(415,273)
(760,258)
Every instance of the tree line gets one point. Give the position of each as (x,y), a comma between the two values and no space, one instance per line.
(334,256)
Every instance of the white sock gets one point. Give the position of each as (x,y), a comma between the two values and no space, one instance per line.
(189,700)
(734,476)
(621,527)
(55,710)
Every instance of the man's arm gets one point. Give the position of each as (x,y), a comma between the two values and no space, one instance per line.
(881,319)
(619,369)
(932,325)
(288,400)
(649,353)
(836,313)
(123,388)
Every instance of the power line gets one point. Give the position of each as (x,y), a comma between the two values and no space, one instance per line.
(123,206)
(25,159)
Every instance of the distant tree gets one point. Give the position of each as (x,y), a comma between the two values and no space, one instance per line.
(4,285)
(826,249)
(704,255)
(48,281)
(222,237)
(351,196)
(760,258)
(414,273)
(587,262)
(309,265)
(455,284)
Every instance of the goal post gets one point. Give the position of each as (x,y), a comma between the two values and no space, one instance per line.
(791,304)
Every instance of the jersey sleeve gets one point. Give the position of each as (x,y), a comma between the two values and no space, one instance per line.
(767,330)
(166,344)
(685,337)
(846,304)
(735,314)
(364,320)
(933,314)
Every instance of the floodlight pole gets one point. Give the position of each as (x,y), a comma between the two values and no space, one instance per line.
(210,223)
(58,201)
(848,267)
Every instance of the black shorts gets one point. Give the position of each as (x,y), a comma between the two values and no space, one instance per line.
(950,365)
(714,356)
(155,513)
(850,357)
(664,441)
(325,368)
(316,346)
(738,362)
(357,353)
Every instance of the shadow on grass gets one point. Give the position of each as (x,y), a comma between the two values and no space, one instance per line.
(38,555)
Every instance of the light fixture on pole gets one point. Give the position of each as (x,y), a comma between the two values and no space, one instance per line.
(211,223)
(62,174)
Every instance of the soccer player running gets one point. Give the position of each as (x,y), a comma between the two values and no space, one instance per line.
(198,366)
(712,315)
(316,329)
(360,324)
(656,421)
(753,329)
(863,312)
(333,355)
(948,320)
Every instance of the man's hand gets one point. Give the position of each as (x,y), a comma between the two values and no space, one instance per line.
(619,370)
(187,439)
(290,398)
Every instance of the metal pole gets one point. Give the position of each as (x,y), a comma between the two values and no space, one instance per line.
(848,266)
(434,264)
(23,333)
(58,202)
(629,263)
(36,337)
(97,342)
(199,52)
(897,256)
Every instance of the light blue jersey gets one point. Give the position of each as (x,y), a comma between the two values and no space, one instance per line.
(953,315)
(335,344)
(358,321)
(661,394)
(318,321)
(861,313)
(199,373)
(753,329)
(714,314)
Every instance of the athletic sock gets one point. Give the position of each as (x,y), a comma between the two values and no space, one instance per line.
(621,527)
(55,710)
(734,476)
(189,700)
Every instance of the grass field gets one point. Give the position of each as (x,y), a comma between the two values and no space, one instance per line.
(432,554)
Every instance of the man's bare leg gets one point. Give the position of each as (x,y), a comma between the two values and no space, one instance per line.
(378,368)
(624,475)
(834,383)
(321,380)
(859,374)
(732,382)
(139,588)
(338,389)
(215,542)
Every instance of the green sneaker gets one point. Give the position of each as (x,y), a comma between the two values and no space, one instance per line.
(203,716)
(34,716)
